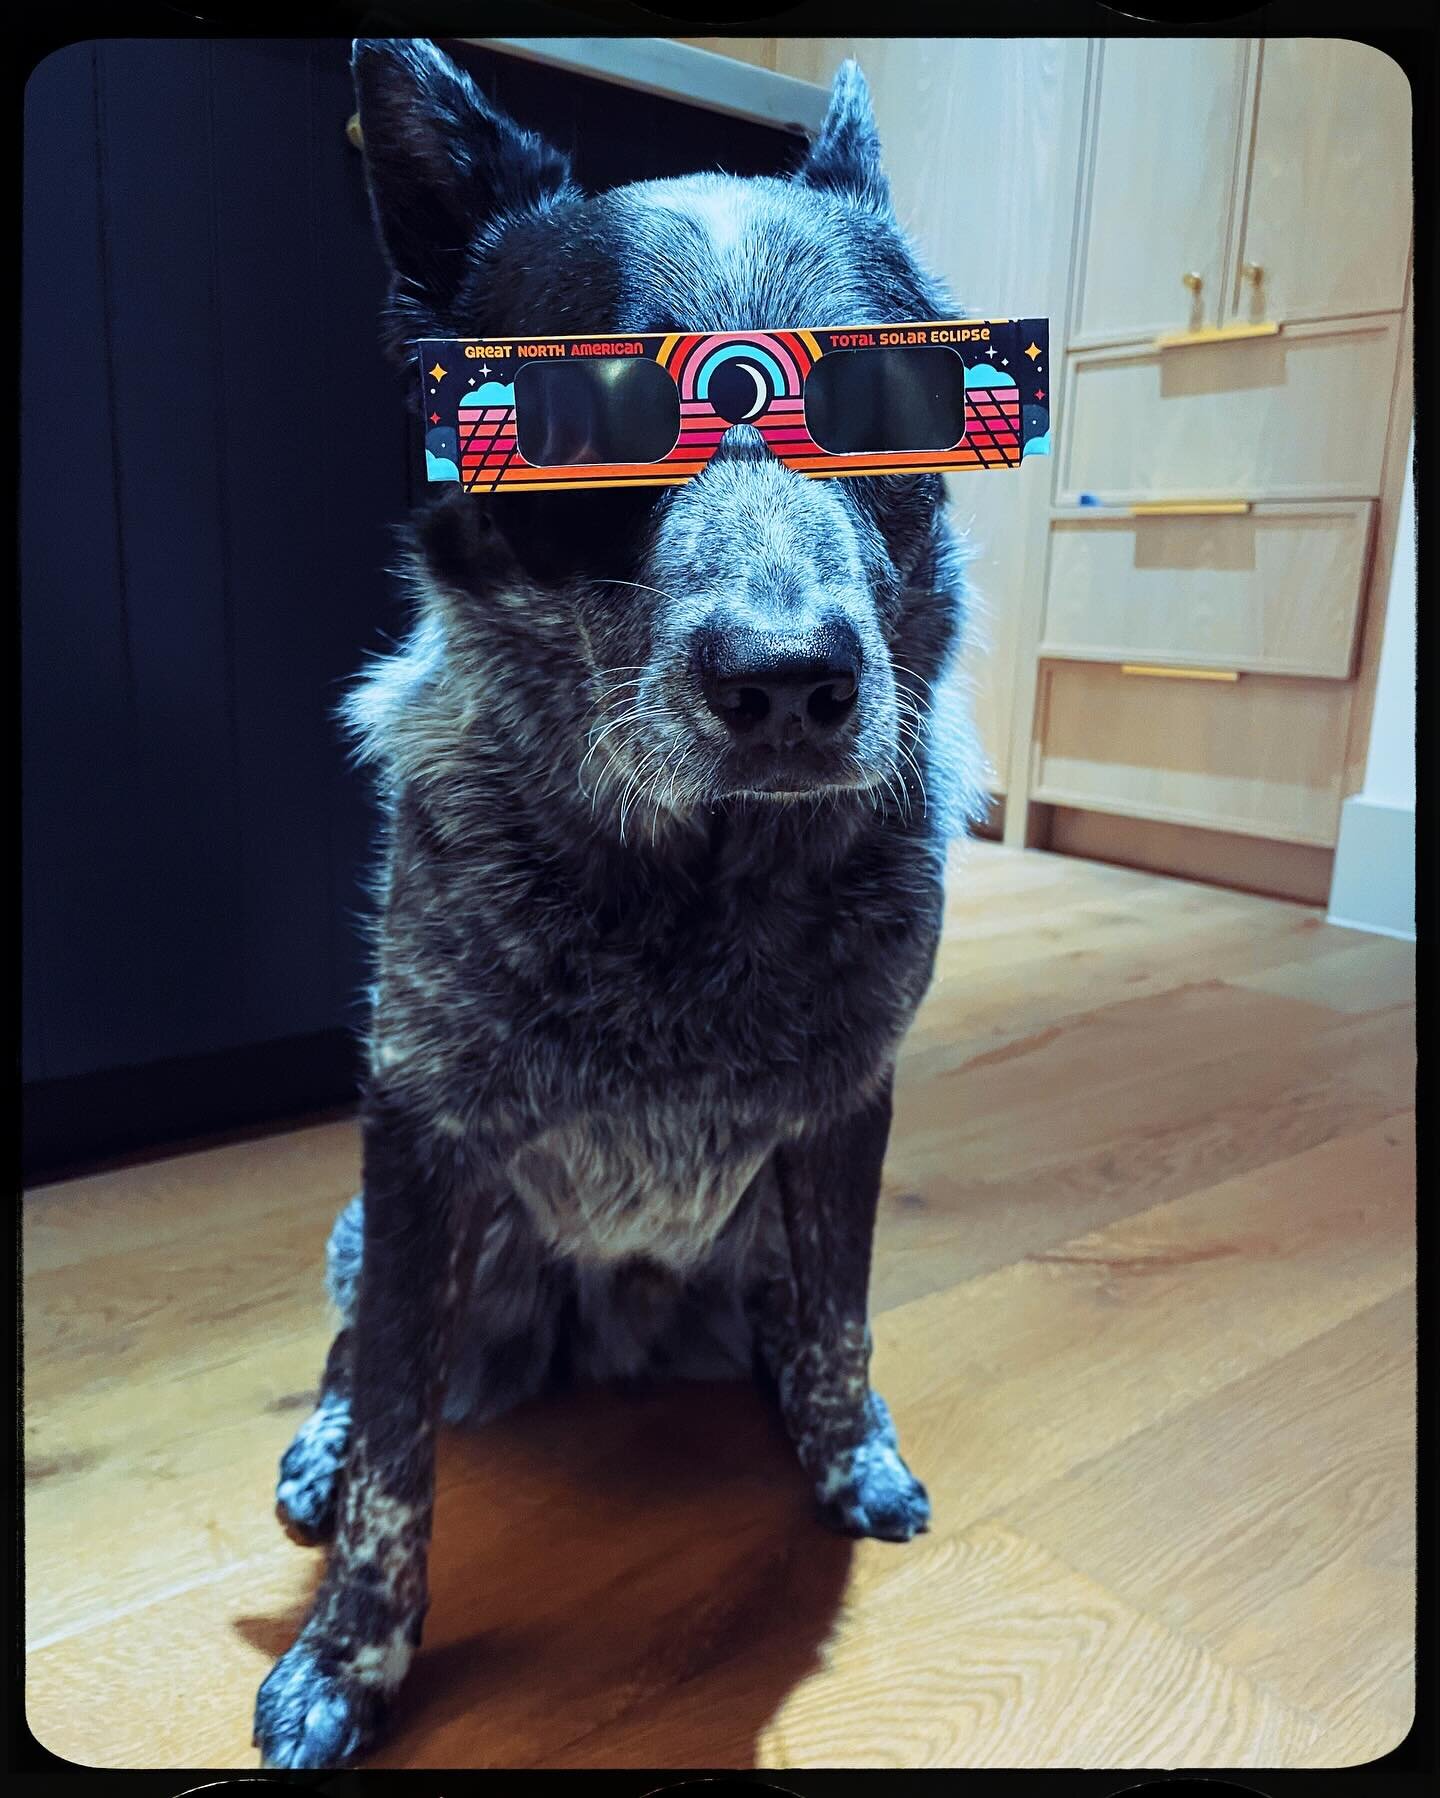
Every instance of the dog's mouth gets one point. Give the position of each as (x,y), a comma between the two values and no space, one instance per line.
(674,773)
(801,771)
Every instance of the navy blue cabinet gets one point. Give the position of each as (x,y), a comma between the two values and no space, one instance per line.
(214,456)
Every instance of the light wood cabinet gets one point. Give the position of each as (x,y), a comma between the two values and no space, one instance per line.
(1326,230)
(1275,174)
(1164,145)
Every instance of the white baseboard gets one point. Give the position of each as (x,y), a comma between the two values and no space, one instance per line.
(1374,882)
(1401,936)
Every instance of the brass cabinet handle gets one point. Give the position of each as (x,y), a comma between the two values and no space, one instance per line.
(352,131)
(1253,273)
(1158,672)
(1193,281)
(1189,508)
(1172,340)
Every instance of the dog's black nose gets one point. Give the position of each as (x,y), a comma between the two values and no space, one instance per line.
(776,687)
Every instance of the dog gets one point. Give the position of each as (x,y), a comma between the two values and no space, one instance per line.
(667,778)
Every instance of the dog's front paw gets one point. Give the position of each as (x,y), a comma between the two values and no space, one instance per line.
(871,1492)
(305,1498)
(312,1713)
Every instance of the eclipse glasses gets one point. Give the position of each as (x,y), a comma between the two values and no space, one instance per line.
(508,414)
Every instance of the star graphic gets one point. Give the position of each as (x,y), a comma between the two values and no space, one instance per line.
(434,418)
(1033,351)
(484,368)
(438,372)
(1004,362)
(991,351)
(1039,393)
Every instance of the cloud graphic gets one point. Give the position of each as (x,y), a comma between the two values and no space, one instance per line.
(491,393)
(440,468)
(983,375)
(1037,446)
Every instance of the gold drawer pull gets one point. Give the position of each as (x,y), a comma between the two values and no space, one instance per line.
(1162,673)
(352,131)
(1174,340)
(1187,508)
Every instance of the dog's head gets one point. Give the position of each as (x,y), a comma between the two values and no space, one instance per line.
(752,632)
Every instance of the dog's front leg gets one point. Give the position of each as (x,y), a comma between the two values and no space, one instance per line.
(323,1701)
(815,1334)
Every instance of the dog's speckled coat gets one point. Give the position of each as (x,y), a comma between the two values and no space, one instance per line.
(637,998)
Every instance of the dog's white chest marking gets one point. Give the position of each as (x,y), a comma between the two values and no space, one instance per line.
(608,1187)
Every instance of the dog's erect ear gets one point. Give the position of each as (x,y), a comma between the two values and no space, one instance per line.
(441,160)
(845,157)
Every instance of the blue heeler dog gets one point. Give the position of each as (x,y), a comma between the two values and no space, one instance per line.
(667,791)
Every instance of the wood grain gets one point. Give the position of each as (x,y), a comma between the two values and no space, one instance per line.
(1300,871)
(1277,592)
(1330,205)
(1143,1310)
(980,1650)
(1301,416)
(1162,211)
(1224,1545)
(1261,756)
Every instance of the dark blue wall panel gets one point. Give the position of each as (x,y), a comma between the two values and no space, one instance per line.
(78,692)
(200,575)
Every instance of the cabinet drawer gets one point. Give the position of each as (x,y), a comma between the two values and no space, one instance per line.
(1301,415)
(1276,590)
(1258,755)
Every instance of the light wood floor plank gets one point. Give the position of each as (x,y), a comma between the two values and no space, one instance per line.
(1274,1522)
(968,1187)
(980,1650)
(1070,1351)
(1369,977)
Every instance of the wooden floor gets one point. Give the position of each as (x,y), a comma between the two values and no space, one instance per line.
(1144,1311)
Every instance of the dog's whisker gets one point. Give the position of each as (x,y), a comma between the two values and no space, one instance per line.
(919,778)
(641,714)
(901,668)
(631,785)
(640,587)
(678,756)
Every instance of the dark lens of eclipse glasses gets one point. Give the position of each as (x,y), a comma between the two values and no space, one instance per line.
(609,409)
(886,401)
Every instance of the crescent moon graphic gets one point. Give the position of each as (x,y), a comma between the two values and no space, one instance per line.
(762,392)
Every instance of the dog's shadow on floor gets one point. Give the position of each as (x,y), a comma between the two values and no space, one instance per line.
(617,1580)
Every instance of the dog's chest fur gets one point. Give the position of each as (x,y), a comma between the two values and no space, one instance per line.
(657,1181)
(639,1037)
